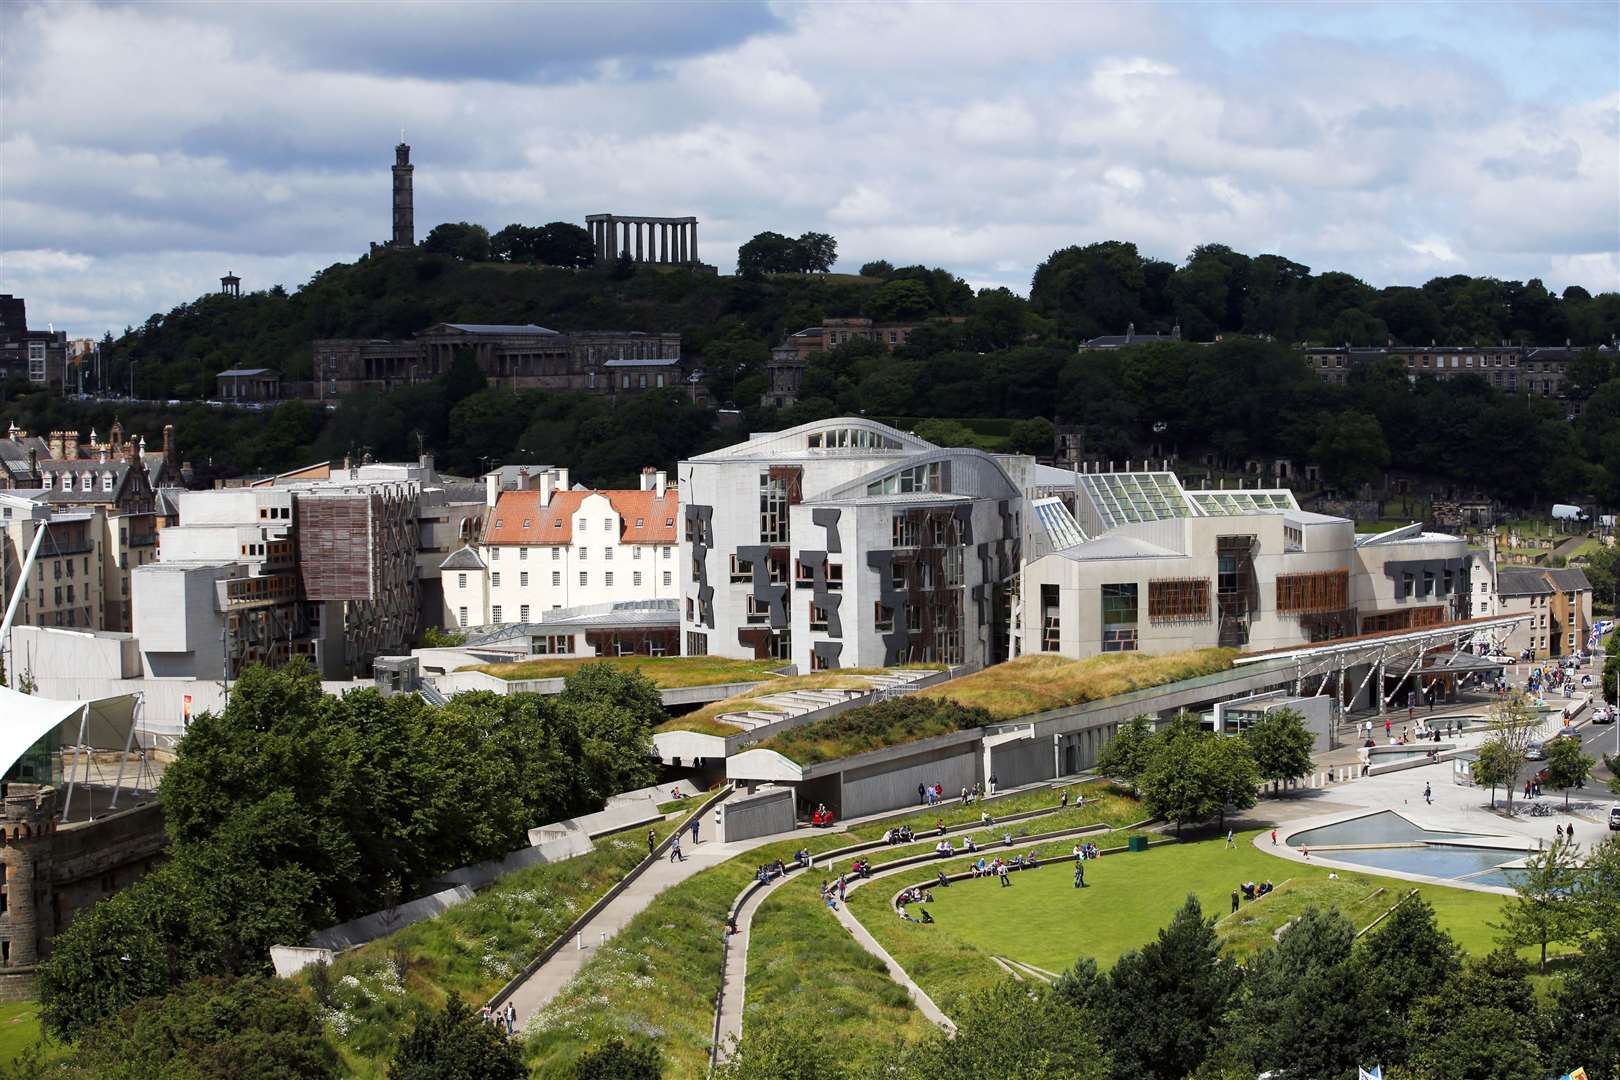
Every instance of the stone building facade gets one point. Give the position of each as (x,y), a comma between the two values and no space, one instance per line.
(519,357)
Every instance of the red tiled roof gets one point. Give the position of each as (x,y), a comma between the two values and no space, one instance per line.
(554,524)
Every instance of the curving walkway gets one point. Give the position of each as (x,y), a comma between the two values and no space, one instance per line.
(731,1000)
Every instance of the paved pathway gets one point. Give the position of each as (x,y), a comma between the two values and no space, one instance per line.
(537,991)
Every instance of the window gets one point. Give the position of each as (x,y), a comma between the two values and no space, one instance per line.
(918,478)
(523,554)
(607,580)
(835,576)
(758,612)
(818,617)
(1119,617)
(584,579)
(1327,590)
(495,614)
(556,553)
(897,575)
(495,581)
(581,524)
(523,613)
(526,523)
(640,522)
(697,644)
(803,576)
(607,554)
(902,532)
(882,618)
(773,509)
(635,579)
(106,481)
(781,645)
(461,581)
(667,549)
(607,525)
(494,554)
(666,578)
(523,580)
(1408,582)
(556,578)
(552,644)
(1178,600)
(1051,624)
(499,524)
(583,553)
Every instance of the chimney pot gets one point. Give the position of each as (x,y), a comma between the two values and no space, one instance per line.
(661,483)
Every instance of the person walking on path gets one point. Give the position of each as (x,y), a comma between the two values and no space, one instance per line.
(1229,842)
(652,842)
(1273,837)
(922,795)
(675,854)
(1388,729)
(695,823)
(1234,901)
(1428,794)
(1001,872)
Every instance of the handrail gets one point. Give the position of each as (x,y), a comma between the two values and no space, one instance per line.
(578,925)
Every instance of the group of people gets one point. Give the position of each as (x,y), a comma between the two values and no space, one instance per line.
(900,834)
(934,794)
(504,1019)
(769,872)
(1250,891)
(998,868)
(821,817)
(1085,851)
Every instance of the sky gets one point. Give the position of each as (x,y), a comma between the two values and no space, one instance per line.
(147,149)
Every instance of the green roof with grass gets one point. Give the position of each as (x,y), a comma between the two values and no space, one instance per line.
(666,672)
(707,720)
(1036,684)
(874,727)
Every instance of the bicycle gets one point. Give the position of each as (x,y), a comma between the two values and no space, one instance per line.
(1539,810)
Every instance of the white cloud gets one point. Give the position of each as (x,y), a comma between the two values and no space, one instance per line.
(976,136)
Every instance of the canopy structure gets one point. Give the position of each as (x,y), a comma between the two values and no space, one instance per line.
(103,724)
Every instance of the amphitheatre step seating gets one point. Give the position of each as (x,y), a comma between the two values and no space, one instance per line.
(790,703)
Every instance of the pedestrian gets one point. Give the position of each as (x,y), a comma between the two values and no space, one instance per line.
(696,821)
(675,850)
(1560,828)
(511,1016)
(1001,870)
(652,842)
(1079,875)
(992,783)
(1234,901)
(922,794)
(1388,727)
(1428,794)
(1569,833)
(1063,800)
(1229,842)
(1273,837)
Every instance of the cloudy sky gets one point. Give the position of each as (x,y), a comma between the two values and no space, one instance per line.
(147,148)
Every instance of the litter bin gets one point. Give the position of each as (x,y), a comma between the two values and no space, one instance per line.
(1136,843)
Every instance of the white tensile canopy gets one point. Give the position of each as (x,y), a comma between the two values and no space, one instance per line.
(104,723)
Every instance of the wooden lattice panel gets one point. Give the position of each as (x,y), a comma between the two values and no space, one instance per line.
(1326,590)
(1178,600)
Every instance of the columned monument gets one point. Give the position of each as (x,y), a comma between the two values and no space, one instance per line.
(644,239)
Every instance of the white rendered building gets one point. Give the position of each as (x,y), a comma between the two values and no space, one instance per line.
(547,547)
(849,543)
(1144,564)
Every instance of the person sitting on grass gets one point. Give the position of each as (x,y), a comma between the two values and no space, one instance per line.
(1032,863)
(802,858)
(939,826)
(926,918)
(967,844)
(944,880)
(984,818)
(1006,839)
(943,849)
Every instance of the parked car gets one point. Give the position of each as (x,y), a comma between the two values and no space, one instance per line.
(1535,752)
(1614,818)
(1603,714)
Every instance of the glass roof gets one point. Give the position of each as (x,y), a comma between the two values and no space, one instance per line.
(1226,503)
(1127,498)
(1059,524)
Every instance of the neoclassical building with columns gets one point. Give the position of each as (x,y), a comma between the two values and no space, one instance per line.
(644,239)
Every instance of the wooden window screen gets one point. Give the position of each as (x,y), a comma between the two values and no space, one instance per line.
(1327,590)
(1178,600)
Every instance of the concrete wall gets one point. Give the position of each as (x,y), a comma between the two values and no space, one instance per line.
(1021,761)
(890,785)
(764,813)
(381,923)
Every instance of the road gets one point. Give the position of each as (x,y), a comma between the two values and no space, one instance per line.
(1597,740)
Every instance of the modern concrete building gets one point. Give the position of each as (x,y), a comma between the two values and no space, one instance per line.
(1142,564)
(849,543)
(545,546)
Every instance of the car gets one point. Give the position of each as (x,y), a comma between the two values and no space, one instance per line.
(1614,818)
(1603,715)
(1535,751)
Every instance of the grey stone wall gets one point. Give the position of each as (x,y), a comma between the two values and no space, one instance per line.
(1024,761)
(890,786)
(764,813)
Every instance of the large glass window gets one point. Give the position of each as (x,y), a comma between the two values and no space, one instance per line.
(773,509)
(1119,617)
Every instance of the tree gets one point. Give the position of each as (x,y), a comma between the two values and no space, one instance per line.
(1230,764)
(1193,775)
(460,240)
(1126,755)
(619,1060)
(1599,894)
(899,301)
(1544,912)
(877,268)
(1480,1025)
(456,1044)
(1585,1003)
(1352,450)
(1406,958)
(1167,998)
(1281,744)
(1034,436)
(815,253)
(785,1050)
(1495,766)
(1513,723)
(1568,765)
(1011,1032)
(212,1029)
(562,243)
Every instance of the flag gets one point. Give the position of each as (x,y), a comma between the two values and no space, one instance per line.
(1374,1073)
(1578,1074)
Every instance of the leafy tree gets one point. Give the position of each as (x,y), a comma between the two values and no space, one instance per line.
(1496,766)
(815,252)
(1585,1003)
(619,1060)
(1513,724)
(1300,1009)
(456,1044)
(766,253)
(1035,436)
(1568,765)
(1167,998)
(899,301)
(1126,755)
(1281,744)
(877,268)
(1475,1027)
(1408,957)
(1194,775)
(1599,894)
(212,1029)
(947,433)
(1352,450)
(1544,912)
(1009,1031)
(459,240)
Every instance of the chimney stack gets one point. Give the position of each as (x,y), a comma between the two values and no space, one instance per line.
(492,487)
(547,486)
(562,480)
(647,477)
(661,485)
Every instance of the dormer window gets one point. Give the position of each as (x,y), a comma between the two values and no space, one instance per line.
(640,522)
(106,481)
(67,481)
(499,523)
(47,479)
(526,523)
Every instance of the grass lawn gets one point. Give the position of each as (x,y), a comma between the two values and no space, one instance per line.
(666,672)
(19,1030)
(1036,683)
(707,720)
(1043,920)
(472,949)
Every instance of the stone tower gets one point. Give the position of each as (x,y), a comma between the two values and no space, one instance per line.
(404,207)
(25,872)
